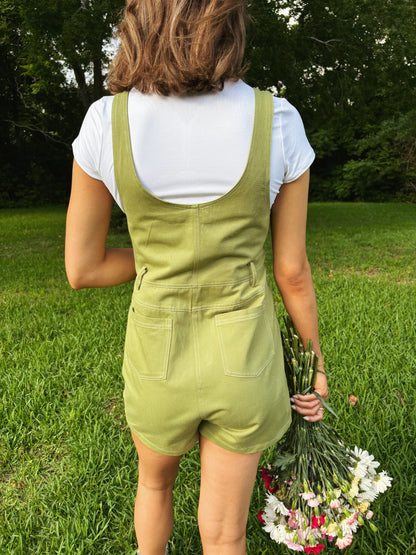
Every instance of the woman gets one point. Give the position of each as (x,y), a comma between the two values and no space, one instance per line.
(196,157)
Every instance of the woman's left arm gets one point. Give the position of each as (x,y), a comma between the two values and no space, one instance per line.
(87,260)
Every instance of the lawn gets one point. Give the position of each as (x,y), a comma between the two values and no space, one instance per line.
(68,467)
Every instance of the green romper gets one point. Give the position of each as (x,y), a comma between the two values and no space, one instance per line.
(203,353)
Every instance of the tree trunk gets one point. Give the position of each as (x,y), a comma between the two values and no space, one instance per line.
(98,79)
(82,85)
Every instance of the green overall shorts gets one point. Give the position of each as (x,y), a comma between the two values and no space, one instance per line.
(203,353)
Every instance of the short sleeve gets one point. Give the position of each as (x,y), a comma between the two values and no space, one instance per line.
(87,146)
(93,148)
(297,152)
(292,154)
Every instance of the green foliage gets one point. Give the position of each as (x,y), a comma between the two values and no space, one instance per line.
(349,69)
(41,111)
(384,157)
(73,34)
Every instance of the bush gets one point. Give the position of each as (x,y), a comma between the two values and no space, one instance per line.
(379,166)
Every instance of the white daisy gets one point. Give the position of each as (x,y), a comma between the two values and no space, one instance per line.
(268,515)
(382,482)
(367,483)
(277,533)
(366,459)
(359,469)
(276,505)
(367,495)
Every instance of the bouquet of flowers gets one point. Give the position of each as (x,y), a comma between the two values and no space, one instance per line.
(318,490)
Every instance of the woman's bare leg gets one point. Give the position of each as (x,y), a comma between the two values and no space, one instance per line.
(227,481)
(153,512)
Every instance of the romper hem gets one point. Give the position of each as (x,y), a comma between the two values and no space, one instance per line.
(215,440)
(169,452)
(248,450)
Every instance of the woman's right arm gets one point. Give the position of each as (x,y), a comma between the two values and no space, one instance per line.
(89,263)
(294,279)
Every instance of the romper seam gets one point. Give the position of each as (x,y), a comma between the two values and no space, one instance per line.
(202,307)
(197,244)
(193,286)
(197,362)
(194,314)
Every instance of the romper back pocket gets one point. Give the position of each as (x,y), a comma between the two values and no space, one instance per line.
(246,341)
(147,346)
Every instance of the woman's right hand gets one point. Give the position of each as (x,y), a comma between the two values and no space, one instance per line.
(321,384)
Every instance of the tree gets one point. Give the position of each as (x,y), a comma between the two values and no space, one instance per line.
(38,118)
(74,34)
(40,113)
(347,66)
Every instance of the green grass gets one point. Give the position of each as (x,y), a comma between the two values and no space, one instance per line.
(67,464)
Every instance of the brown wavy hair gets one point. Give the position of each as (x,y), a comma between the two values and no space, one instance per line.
(179,46)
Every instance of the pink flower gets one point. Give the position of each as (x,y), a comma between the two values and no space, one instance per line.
(344,542)
(352,519)
(335,504)
(313,502)
(307,495)
(369,515)
(294,546)
(296,520)
(292,520)
(315,548)
(260,516)
(330,538)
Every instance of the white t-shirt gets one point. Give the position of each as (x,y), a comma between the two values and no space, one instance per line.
(192,149)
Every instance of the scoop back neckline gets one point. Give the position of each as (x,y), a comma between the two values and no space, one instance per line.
(194,206)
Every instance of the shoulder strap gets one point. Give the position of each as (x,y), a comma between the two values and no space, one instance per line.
(262,132)
(123,159)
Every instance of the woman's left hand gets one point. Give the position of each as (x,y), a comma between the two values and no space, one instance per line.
(309,406)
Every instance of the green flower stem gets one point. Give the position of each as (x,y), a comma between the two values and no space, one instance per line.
(311,451)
